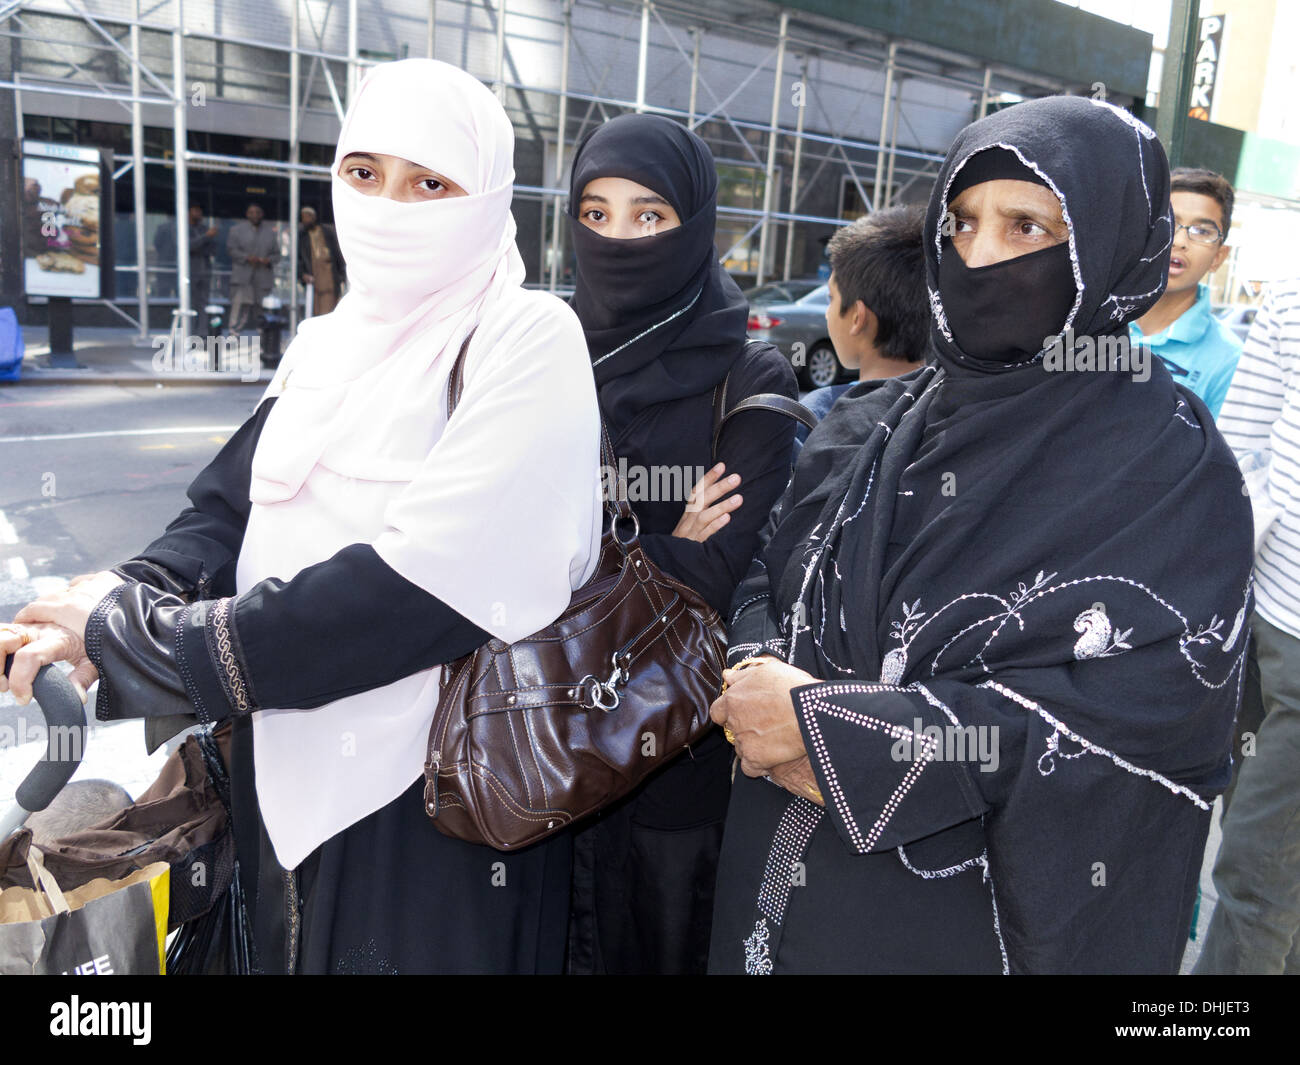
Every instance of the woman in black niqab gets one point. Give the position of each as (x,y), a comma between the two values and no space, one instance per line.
(1007,603)
(665,326)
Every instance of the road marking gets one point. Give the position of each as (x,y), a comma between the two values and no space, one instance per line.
(176,431)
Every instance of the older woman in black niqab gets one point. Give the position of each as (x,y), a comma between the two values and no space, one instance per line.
(999,613)
(665,325)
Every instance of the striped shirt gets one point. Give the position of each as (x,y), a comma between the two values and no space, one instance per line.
(1262,413)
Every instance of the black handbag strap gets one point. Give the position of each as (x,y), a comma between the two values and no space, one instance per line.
(769,401)
(456,382)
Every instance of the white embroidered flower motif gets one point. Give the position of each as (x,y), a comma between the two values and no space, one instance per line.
(758,961)
(894,666)
(1210,633)
(1235,632)
(1097,640)
(895,663)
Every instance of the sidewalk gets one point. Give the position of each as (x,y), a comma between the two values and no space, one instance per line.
(106,355)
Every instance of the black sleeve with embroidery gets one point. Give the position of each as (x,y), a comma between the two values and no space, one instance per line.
(895,765)
(345,625)
(754,627)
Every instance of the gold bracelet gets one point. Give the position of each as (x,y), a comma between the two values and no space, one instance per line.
(745,663)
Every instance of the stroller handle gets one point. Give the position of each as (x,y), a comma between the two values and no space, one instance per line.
(65,724)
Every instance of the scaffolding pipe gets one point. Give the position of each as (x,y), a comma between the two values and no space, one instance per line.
(884,123)
(353,52)
(794,167)
(561,127)
(696,33)
(138,196)
(430,28)
(180,142)
(500,86)
(642,55)
(295,175)
(985,92)
(765,233)
(893,142)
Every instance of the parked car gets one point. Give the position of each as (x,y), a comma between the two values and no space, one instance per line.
(1236,316)
(798,327)
(782,291)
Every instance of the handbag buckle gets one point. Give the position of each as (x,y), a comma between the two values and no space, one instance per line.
(603,695)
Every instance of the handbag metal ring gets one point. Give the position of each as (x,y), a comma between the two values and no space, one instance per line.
(599,696)
(636,529)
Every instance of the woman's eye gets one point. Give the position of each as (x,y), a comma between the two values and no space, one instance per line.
(648,217)
(1030,229)
(962,225)
(432,185)
(594,214)
(362,173)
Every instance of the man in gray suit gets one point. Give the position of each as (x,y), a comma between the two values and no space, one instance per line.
(253,251)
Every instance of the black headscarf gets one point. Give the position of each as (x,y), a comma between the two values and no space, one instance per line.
(663,319)
(1118,216)
(1063,554)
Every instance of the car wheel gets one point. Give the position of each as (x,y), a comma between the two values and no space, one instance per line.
(823,367)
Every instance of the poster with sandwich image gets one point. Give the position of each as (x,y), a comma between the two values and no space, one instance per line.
(64,231)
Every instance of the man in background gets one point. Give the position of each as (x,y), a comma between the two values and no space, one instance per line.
(1256,924)
(1199,350)
(253,251)
(879,314)
(203,239)
(320,262)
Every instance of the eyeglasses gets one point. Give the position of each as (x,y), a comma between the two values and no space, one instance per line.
(1201,232)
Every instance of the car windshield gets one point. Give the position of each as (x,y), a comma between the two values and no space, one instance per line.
(780,291)
(818,297)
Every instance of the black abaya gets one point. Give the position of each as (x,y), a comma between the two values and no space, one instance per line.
(665,324)
(390,893)
(1022,592)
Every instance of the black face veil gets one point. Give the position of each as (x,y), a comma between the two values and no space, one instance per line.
(1118,217)
(663,319)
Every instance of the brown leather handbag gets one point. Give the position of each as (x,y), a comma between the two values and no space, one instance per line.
(529,737)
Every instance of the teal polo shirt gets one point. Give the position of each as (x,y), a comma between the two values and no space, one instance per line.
(1199,350)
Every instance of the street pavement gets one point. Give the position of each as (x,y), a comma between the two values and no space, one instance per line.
(90,474)
(93,464)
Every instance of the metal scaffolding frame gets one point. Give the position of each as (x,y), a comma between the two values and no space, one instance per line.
(786,36)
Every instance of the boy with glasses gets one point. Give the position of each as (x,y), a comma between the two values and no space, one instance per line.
(1199,350)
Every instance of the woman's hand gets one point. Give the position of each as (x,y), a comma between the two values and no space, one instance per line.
(53,629)
(798,778)
(758,710)
(34,646)
(704,515)
(73,606)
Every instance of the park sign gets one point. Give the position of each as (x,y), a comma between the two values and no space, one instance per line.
(66,221)
(1205,71)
